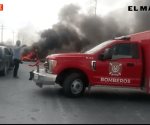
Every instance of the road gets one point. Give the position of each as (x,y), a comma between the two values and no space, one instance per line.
(21,101)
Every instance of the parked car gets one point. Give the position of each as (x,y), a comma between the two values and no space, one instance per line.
(5,60)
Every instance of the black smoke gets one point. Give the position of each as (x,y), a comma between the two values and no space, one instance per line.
(94,28)
(75,31)
(60,39)
(142,19)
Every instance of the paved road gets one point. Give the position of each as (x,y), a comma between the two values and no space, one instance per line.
(22,102)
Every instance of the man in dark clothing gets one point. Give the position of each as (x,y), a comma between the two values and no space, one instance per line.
(17,58)
(16,67)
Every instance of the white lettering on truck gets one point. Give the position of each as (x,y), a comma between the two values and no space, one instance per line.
(115,80)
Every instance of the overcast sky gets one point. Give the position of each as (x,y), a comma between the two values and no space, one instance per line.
(42,14)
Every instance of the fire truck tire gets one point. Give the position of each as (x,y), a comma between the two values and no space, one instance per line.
(74,85)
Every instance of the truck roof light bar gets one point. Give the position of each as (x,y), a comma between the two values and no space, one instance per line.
(122,38)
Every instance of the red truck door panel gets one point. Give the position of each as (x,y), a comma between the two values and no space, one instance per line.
(123,69)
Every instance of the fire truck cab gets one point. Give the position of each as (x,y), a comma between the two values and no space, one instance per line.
(122,62)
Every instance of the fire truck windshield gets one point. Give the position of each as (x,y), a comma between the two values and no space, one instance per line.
(98,47)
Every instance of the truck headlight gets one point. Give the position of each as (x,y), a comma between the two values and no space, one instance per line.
(52,64)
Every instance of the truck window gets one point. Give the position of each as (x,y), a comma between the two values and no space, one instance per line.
(125,50)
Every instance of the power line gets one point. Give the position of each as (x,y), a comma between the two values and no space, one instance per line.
(2,27)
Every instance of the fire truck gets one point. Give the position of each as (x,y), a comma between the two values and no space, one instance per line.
(122,62)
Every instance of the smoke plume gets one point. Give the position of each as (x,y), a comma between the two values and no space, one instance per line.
(76,31)
(28,35)
(142,19)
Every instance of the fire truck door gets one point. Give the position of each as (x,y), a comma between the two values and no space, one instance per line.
(123,69)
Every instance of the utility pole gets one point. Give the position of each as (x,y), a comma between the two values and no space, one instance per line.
(13,37)
(2,28)
(95,7)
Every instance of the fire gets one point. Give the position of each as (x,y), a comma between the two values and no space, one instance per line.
(31,56)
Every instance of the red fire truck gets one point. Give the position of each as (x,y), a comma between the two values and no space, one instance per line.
(123,62)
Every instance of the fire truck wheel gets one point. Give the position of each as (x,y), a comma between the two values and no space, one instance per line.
(74,85)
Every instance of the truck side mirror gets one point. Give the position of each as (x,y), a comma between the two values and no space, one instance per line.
(101,57)
(106,55)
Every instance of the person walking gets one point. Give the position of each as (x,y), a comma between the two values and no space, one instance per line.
(17,57)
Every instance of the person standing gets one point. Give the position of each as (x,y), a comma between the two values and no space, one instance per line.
(17,57)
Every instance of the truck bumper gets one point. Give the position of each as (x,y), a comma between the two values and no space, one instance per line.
(42,78)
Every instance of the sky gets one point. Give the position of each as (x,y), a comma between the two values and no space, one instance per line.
(42,14)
